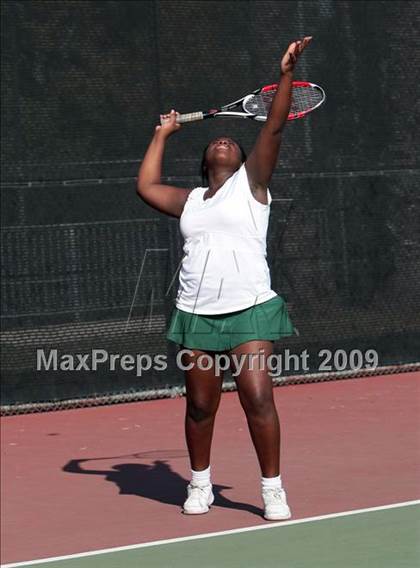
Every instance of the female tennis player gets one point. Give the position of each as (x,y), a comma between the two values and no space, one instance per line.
(225,304)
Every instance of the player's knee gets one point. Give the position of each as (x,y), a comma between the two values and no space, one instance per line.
(260,406)
(200,411)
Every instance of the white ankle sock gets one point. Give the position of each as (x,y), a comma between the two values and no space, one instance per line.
(271,482)
(200,477)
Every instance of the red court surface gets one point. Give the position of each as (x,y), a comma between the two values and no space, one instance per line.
(347,445)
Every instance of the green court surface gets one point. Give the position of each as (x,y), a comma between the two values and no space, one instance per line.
(384,538)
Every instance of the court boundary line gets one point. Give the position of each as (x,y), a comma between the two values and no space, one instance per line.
(269,525)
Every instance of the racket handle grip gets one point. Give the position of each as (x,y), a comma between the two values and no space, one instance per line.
(191,117)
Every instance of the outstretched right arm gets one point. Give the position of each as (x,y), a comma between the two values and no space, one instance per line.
(165,198)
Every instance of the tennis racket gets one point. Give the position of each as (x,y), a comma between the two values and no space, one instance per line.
(306,97)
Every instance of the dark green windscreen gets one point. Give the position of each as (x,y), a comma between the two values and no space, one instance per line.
(87,265)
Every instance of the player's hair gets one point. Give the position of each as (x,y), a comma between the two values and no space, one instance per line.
(203,166)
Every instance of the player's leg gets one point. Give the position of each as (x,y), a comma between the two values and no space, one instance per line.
(203,393)
(255,391)
(256,396)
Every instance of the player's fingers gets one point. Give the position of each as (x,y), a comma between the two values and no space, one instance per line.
(173,118)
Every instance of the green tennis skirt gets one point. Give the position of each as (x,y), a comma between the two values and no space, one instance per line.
(222,332)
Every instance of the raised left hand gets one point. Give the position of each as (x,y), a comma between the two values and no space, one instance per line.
(292,54)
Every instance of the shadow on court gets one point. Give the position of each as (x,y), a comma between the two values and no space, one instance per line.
(156,482)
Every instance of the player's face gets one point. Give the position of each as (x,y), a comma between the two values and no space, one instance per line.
(223,151)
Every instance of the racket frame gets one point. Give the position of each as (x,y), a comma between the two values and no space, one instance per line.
(225,110)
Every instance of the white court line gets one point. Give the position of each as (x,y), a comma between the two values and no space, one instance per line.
(269,525)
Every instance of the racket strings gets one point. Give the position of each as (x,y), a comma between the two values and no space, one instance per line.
(303,99)
(260,104)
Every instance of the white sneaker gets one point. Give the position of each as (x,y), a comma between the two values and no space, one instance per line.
(199,499)
(275,504)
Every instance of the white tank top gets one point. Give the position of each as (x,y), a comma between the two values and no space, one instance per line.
(224,268)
